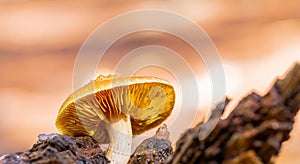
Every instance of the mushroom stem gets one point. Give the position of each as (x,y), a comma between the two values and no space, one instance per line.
(120,133)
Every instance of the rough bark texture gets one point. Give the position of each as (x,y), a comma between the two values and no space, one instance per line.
(253,132)
(61,149)
(153,150)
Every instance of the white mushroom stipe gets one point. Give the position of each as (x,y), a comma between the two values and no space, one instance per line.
(113,109)
(119,149)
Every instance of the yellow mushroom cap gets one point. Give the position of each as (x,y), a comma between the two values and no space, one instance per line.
(147,100)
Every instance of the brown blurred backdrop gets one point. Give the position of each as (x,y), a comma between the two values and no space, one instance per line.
(257,40)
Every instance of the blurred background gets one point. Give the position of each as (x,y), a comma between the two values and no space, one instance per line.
(39,40)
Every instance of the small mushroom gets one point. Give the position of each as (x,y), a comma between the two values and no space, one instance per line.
(111,109)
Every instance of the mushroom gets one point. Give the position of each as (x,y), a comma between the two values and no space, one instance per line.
(112,109)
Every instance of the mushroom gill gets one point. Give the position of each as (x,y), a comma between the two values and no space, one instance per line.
(112,109)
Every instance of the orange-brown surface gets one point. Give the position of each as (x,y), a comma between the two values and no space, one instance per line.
(39,40)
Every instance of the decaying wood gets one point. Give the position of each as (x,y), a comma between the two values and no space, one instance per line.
(155,149)
(61,149)
(253,132)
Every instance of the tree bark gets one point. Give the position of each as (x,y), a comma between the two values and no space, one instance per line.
(252,134)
